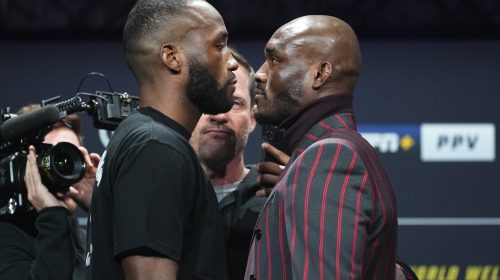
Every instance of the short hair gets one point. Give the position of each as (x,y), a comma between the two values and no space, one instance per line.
(71,121)
(242,62)
(147,24)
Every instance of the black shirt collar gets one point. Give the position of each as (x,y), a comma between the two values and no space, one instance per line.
(297,125)
(162,118)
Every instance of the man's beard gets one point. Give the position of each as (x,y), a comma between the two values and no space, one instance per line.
(284,105)
(217,156)
(216,153)
(204,92)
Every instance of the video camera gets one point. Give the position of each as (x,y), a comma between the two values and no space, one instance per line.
(61,165)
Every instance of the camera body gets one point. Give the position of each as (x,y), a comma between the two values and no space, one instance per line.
(61,165)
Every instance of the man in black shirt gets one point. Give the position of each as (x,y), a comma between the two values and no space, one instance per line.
(154,213)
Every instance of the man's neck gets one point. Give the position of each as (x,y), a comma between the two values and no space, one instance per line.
(227,173)
(176,107)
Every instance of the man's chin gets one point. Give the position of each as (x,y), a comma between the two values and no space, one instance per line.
(230,90)
(263,118)
(216,156)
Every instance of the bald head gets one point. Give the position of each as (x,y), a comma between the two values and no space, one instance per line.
(307,59)
(324,39)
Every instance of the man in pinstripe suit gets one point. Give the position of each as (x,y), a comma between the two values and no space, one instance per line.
(333,213)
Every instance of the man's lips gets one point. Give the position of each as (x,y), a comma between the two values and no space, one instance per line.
(259,91)
(231,85)
(218,131)
(231,79)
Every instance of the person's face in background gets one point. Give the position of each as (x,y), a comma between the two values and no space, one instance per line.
(64,134)
(211,81)
(219,138)
(282,78)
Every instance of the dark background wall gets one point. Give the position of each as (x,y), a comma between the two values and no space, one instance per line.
(425,62)
(259,18)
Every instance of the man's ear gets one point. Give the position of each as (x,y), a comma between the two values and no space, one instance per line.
(253,122)
(323,73)
(171,58)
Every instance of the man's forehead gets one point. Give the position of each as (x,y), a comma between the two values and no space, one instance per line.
(289,35)
(204,13)
(202,17)
(295,28)
(279,44)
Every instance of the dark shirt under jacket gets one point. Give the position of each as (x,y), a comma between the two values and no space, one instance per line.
(333,213)
(240,210)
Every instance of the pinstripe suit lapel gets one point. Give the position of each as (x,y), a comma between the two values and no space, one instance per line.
(319,131)
(322,129)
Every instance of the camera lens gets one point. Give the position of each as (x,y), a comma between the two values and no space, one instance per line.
(63,163)
(62,166)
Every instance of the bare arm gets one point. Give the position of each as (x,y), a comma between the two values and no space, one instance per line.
(149,268)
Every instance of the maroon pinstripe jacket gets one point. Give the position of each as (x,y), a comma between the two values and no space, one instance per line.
(333,213)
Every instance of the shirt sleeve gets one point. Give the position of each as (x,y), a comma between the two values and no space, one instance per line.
(151,201)
(49,256)
(327,213)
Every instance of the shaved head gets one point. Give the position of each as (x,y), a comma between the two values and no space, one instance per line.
(147,19)
(149,23)
(324,39)
(153,23)
(306,59)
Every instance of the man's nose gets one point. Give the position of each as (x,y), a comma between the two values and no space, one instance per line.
(232,64)
(260,75)
(219,118)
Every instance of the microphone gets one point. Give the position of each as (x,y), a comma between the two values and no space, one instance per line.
(27,124)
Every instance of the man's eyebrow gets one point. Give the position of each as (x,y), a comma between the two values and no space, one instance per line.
(271,50)
(223,35)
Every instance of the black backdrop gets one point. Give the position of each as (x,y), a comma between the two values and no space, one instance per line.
(257,19)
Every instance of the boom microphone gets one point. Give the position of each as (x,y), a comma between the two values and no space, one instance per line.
(26,124)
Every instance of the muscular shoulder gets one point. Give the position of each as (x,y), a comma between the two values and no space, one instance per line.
(327,157)
(140,131)
(324,148)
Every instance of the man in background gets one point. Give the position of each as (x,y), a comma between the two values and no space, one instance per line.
(219,141)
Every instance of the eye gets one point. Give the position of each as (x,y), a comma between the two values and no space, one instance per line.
(273,59)
(221,46)
(238,105)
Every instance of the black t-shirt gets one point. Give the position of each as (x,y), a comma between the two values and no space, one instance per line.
(153,198)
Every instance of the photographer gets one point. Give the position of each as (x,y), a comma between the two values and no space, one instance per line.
(47,243)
